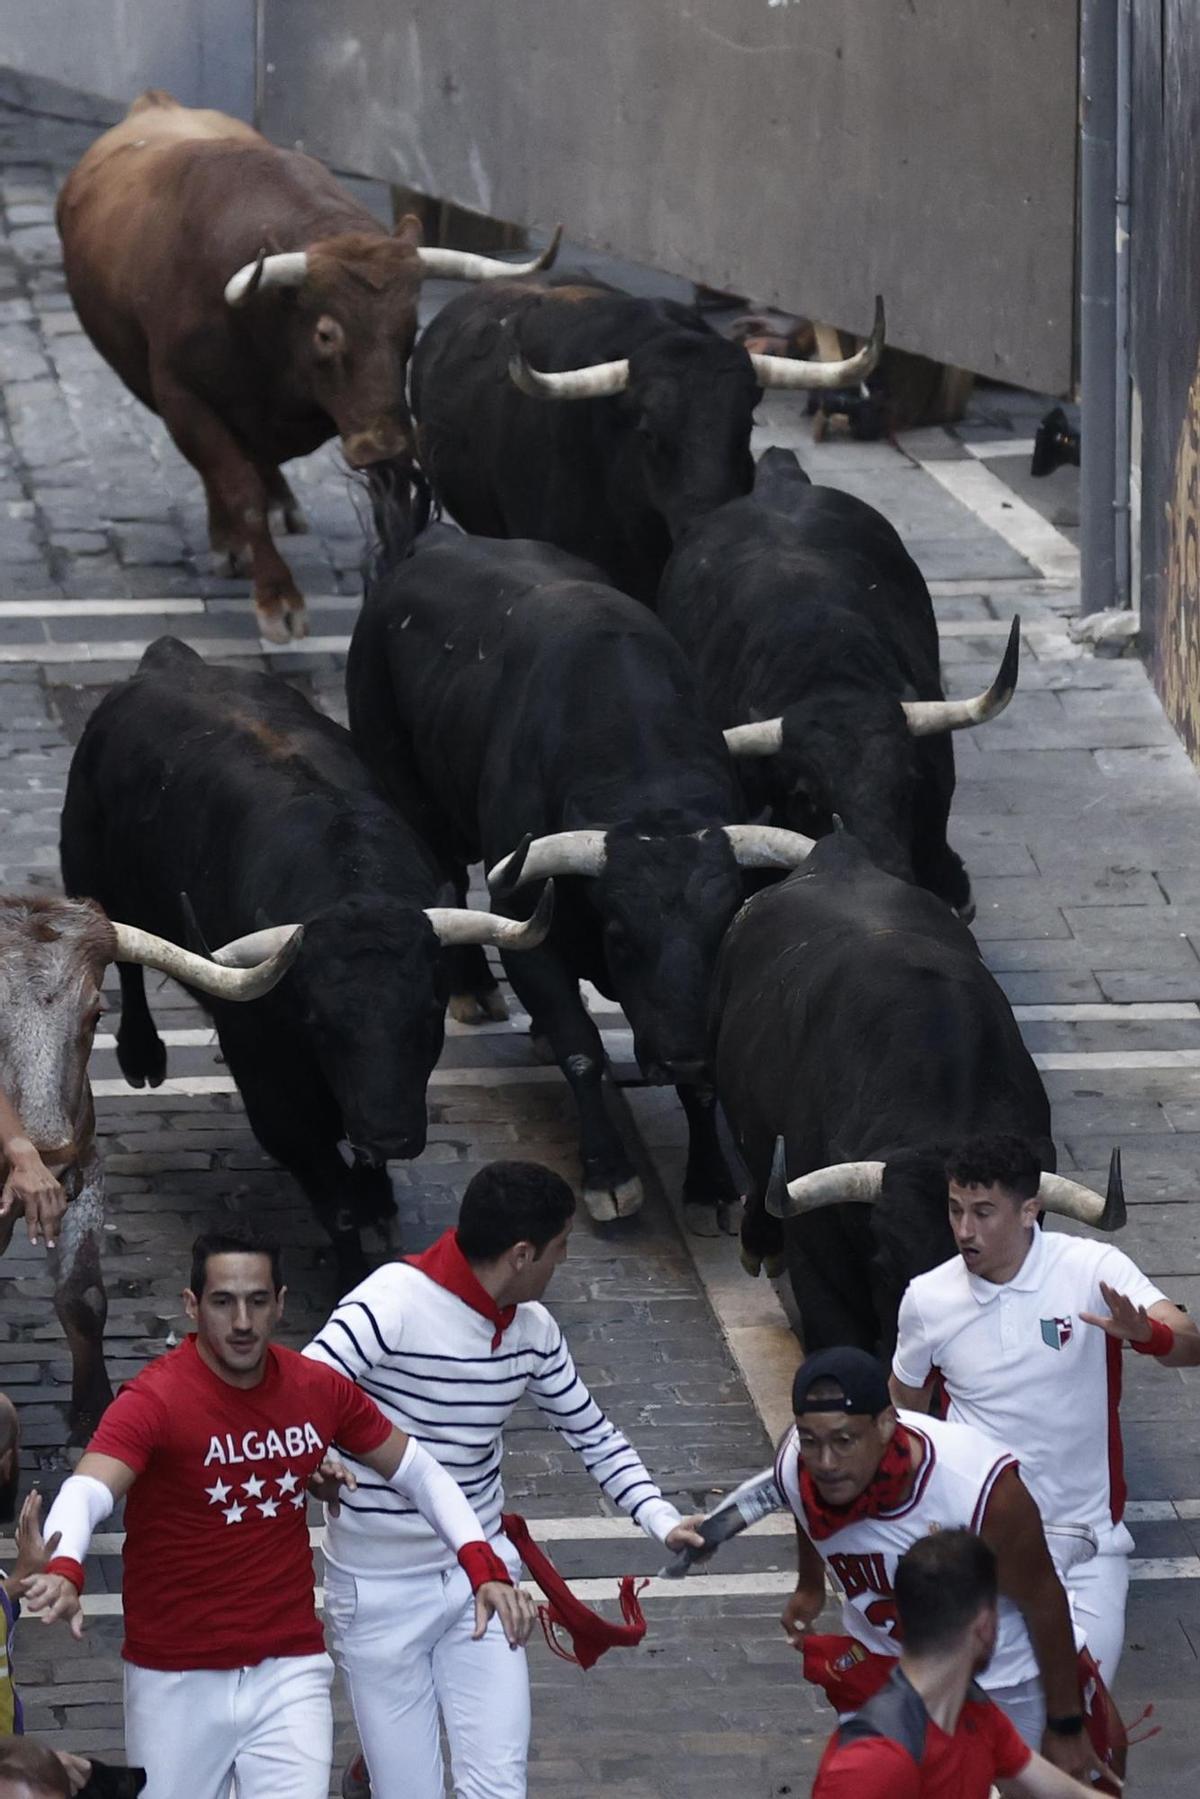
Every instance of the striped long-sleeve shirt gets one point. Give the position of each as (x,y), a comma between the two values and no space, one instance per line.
(426,1359)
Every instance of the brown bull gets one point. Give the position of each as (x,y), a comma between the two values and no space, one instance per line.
(53,954)
(243,295)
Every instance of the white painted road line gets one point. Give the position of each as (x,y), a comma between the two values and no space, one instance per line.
(1003,511)
(771,1584)
(619,1045)
(132,650)
(1000,446)
(623,1530)
(1083,1012)
(53,608)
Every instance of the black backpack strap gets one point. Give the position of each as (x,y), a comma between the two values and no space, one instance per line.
(897,1711)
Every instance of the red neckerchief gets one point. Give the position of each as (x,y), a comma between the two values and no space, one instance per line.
(445,1263)
(590,1634)
(886,1490)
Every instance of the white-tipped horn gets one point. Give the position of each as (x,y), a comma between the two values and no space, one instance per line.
(288,269)
(565,853)
(210,977)
(1070,1199)
(456,925)
(464,265)
(597,382)
(767,846)
(927,718)
(786,372)
(836,1185)
(255,948)
(763,737)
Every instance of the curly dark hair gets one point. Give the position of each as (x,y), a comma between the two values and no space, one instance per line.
(995,1161)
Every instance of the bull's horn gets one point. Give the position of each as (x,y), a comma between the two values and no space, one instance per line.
(463,265)
(1071,1200)
(764,737)
(197,971)
(288,269)
(596,382)
(256,947)
(785,371)
(457,925)
(538,858)
(926,718)
(832,1186)
(767,846)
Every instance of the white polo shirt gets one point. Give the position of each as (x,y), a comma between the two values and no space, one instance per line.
(1018,1363)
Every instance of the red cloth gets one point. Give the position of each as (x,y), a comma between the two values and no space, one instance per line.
(887,1489)
(590,1634)
(445,1263)
(847,1670)
(218,1572)
(983,1749)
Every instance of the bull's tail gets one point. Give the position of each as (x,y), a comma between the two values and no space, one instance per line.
(401,505)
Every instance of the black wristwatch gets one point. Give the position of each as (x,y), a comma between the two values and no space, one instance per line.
(1071,1726)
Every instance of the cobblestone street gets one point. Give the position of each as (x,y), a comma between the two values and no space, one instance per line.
(1078,815)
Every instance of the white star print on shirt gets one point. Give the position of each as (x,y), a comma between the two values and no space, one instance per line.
(298,1500)
(269,1508)
(287,1483)
(252,1487)
(235,1514)
(219,1494)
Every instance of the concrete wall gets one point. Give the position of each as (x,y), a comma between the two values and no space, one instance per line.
(1166,347)
(805,152)
(202,50)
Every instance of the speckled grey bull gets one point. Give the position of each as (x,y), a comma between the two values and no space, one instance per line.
(53,954)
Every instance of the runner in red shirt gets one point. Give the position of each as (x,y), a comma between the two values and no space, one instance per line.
(215,1444)
(931,1733)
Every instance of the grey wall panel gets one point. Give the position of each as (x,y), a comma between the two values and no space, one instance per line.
(202,50)
(1165,346)
(807,153)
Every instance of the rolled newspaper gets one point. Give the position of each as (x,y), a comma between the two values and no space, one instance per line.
(754,1499)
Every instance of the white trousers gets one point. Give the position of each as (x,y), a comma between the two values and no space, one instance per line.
(271,1725)
(1099,1591)
(1025,1709)
(403,1643)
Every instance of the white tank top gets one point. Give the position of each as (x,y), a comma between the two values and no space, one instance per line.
(955,1480)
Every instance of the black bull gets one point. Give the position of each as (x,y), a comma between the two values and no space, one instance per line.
(210,803)
(528,700)
(855,1018)
(800,605)
(632,418)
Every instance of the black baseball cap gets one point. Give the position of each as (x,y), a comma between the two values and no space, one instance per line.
(863,1383)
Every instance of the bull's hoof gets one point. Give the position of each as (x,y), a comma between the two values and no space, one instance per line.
(700,1218)
(967,910)
(281,621)
(729,1217)
(478,1008)
(542,1048)
(751,1263)
(607,1204)
(143,1063)
(776,1266)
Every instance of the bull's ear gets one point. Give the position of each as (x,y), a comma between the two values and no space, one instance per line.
(407,230)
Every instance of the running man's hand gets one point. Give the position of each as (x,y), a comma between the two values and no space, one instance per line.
(1127,1322)
(516,1611)
(686,1536)
(328,1481)
(33,1552)
(32,1187)
(803,1608)
(51,1597)
(1075,1756)
(79,1771)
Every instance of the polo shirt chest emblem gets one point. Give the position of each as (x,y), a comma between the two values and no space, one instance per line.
(1057,1332)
